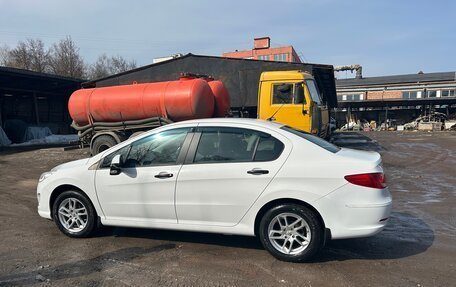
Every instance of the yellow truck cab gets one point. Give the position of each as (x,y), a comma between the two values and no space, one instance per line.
(292,98)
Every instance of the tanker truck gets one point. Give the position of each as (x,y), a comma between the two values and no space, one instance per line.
(106,116)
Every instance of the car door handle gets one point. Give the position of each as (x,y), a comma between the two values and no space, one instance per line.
(258,171)
(164,174)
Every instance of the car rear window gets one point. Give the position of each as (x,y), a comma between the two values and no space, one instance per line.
(313,139)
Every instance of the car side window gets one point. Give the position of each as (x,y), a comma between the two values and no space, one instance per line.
(220,144)
(157,149)
(269,148)
(106,163)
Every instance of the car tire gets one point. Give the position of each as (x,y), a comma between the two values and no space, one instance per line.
(74,214)
(102,143)
(288,239)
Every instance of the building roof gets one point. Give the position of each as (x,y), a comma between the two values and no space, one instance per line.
(398,79)
(12,79)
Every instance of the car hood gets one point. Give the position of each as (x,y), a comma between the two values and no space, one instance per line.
(72,164)
(370,157)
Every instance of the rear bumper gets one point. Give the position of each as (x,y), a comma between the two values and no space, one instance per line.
(354,211)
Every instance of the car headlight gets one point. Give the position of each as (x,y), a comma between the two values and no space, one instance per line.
(44,175)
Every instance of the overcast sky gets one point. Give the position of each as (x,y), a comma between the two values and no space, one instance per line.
(385,37)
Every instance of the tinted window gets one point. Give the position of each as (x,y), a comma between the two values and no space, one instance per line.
(299,94)
(409,95)
(282,94)
(432,93)
(313,139)
(157,149)
(107,159)
(313,91)
(220,144)
(268,149)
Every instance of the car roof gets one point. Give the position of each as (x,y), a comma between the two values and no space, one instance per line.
(256,122)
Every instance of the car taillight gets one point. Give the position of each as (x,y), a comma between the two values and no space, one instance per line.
(373,180)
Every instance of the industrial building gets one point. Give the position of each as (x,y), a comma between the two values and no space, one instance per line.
(395,99)
(262,50)
(31,99)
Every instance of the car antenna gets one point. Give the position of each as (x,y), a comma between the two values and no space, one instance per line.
(281,89)
(271,118)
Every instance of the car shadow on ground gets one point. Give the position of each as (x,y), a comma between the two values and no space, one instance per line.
(184,236)
(405,235)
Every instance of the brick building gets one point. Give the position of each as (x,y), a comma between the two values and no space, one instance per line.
(262,50)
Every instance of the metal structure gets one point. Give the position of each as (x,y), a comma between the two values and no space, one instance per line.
(355,67)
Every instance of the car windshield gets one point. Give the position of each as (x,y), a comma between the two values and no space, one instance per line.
(313,139)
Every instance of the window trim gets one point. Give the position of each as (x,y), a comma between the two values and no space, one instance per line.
(293,94)
(180,157)
(320,100)
(332,148)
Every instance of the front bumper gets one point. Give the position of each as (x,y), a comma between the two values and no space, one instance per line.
(43,201)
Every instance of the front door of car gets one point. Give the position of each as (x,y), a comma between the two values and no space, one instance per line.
(144,189)
(225,171)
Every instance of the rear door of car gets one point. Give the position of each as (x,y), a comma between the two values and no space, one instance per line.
(225,171)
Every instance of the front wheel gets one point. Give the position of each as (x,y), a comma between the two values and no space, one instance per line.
(291,232)
(74,215)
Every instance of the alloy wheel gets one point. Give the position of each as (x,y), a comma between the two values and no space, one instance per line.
(289,233)
(73,214)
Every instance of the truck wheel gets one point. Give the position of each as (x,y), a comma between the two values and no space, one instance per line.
(102,143)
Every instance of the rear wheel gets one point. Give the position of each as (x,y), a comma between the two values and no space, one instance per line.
(291,232)
(102,143)
(74,214)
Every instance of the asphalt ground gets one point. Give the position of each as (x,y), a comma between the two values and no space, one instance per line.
(417,248)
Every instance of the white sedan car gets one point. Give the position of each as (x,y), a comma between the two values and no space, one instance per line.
(233,176)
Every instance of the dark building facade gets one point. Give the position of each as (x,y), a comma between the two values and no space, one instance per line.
(34,99)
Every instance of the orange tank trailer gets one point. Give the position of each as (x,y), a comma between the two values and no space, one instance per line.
(187,98)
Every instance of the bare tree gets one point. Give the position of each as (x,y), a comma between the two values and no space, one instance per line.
(106,66)
(4,55)
(65,59)
(101,68)
(39,56)
(29,55)
(119,65)
(62,58)
(19,57)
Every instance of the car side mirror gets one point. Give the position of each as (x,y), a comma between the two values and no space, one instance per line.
(115,165)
